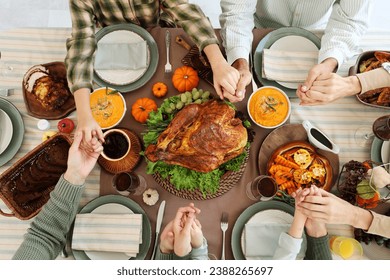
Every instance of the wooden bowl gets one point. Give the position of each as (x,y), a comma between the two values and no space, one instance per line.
(288,151)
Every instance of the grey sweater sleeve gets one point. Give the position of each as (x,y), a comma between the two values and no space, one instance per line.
(47,233)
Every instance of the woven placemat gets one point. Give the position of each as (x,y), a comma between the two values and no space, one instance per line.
(227,182)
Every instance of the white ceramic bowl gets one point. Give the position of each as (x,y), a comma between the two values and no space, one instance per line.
(283,97)
(117,115)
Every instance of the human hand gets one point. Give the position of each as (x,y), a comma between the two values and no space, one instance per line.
(225,80)
(297,226)
(329,87)
(182,224)
(167,239)
(81,161)
(315,228)
(326,67)
(90,129)
(327,208)
(196,234)
(245,78)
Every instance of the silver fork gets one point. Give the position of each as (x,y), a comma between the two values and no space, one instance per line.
(224,227)
(168,66)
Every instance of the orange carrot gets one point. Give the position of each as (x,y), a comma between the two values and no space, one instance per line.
(277,167)
(287,185)
(281,176)
(282,161)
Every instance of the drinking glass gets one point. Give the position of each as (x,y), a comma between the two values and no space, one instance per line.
(380,128)
(262,188)
(129,183)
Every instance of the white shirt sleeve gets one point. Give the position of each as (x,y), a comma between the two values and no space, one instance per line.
(237,23)
(288,247)
(347,24)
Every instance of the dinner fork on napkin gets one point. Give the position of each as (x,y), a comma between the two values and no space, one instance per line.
(108,233)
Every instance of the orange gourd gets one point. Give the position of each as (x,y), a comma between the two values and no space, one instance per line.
(159,89)
(185,78)
(141,109)
(368,203)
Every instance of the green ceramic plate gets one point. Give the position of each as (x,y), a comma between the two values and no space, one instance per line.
(135,208)
(376,147)
(267,42)
(18,131)
(244,218)
(154,56)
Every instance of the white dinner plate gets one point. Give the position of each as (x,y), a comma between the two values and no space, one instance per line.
(127,80)
(269,217)
(109,208)
(6,130)
(293,43)
(385,151)
(122,77)
(116,204)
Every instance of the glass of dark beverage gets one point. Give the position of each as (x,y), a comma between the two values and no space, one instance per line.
(116,145)
(129,183)
(381,128)
(262,188)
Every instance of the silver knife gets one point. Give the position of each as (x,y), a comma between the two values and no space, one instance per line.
(160,215)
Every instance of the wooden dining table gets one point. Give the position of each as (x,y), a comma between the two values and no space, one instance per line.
(23,48)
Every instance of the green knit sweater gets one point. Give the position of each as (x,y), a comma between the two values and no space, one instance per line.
(47,234)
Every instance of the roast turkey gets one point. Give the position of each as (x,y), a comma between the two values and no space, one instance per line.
(201,137)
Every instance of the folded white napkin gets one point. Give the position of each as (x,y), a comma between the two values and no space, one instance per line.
(121,56)
(287,66)
(108,233)
(261,240)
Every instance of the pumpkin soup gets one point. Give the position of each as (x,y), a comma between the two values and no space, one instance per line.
(269,107)
(107,106)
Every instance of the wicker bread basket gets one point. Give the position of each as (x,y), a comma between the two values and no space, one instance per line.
(25,187)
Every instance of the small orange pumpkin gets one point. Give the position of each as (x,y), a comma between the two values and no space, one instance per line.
(159,89)
(185,78)
(368,203)
(141,109)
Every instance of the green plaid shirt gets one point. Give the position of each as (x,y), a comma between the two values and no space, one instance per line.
(87,14)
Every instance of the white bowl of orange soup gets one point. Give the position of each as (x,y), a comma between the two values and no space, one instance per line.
(108,107)
(269,107)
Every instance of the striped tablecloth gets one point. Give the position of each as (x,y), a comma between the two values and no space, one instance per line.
(23,48)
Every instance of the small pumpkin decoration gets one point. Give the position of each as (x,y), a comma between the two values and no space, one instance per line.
(150,197)
(185,78)
(159,89)
(141,109)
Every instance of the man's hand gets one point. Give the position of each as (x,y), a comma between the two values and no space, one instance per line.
(81,161)
(242,66)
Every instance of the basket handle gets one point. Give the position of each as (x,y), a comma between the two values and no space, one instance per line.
(6,214)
